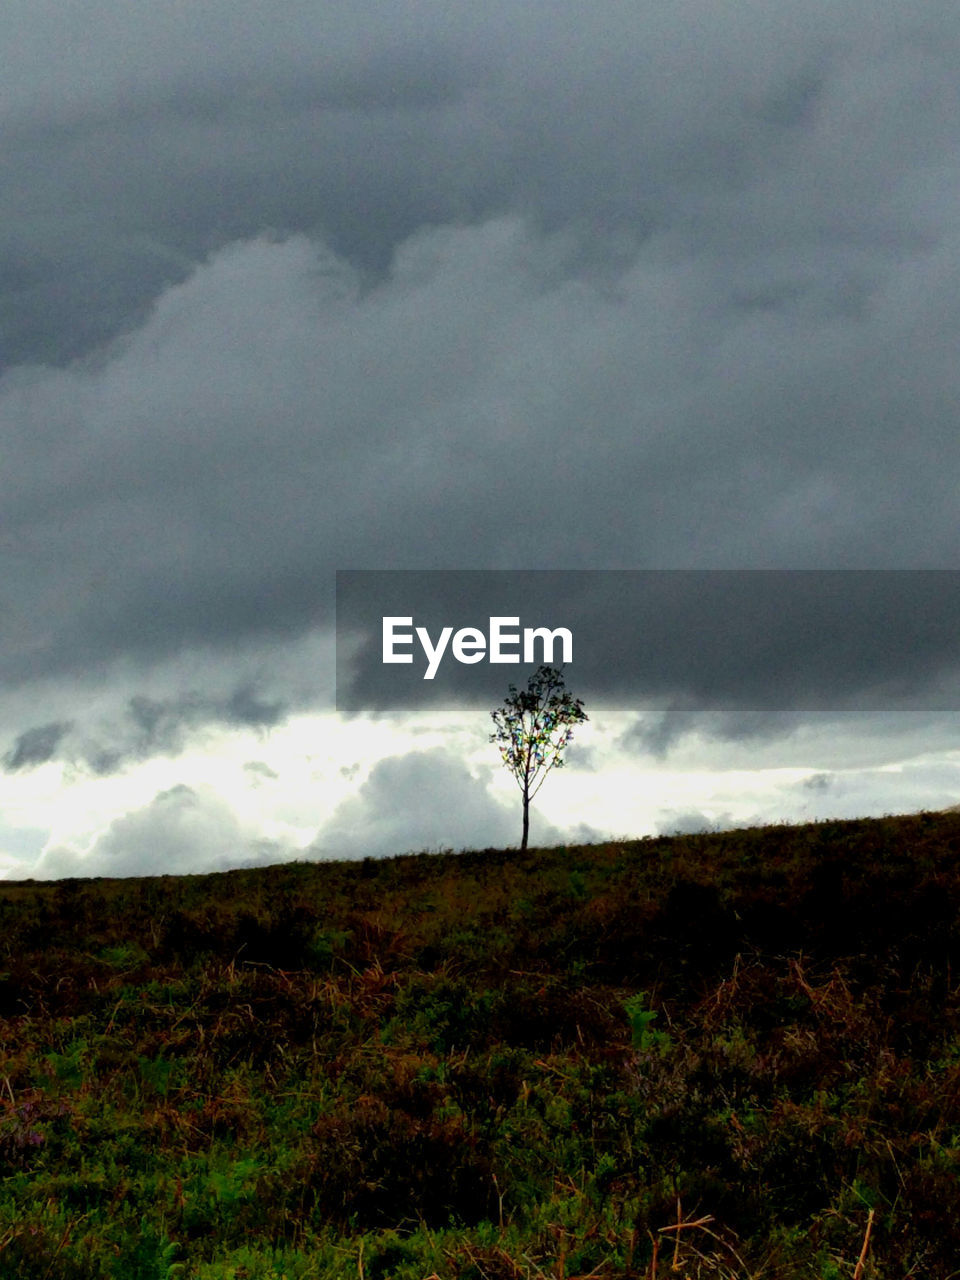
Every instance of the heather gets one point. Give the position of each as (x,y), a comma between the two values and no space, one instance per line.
(732,1054)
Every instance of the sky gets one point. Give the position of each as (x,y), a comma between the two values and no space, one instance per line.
(292,289)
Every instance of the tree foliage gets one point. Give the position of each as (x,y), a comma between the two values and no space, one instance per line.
(532,730)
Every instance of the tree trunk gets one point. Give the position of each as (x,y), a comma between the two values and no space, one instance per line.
(526,821)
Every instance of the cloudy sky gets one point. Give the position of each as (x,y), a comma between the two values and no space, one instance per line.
(292,288)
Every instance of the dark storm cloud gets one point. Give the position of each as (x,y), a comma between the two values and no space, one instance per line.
(140,143)
(459,286)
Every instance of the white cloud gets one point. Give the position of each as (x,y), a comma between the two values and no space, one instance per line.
(425,800)
(182,830)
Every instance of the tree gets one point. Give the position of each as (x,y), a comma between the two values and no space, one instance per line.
(532,729)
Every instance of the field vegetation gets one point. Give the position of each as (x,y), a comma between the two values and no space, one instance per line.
(723,1055)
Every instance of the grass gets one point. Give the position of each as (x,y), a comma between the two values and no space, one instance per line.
(731,1055)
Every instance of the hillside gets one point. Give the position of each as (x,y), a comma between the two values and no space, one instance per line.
(724,1055)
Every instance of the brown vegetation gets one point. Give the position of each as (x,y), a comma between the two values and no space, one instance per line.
(731,1055)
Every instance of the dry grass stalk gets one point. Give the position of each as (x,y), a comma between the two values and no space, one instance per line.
(861,1261)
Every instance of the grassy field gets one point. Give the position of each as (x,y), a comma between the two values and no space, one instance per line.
(730,1055)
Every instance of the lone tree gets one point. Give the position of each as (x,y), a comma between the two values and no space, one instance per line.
(532,729)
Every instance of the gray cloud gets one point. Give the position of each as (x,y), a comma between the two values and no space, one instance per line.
(221,468)
(155,726)
(426,800)
(35,746)
(260,772)
(457,285)
(164,724)
(818,782)
(658,732)
(906,786)
(693,822)
(144,727)
(740,143)
(180,829)
(140,144)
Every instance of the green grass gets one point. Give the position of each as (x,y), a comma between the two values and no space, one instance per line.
(732,1055)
